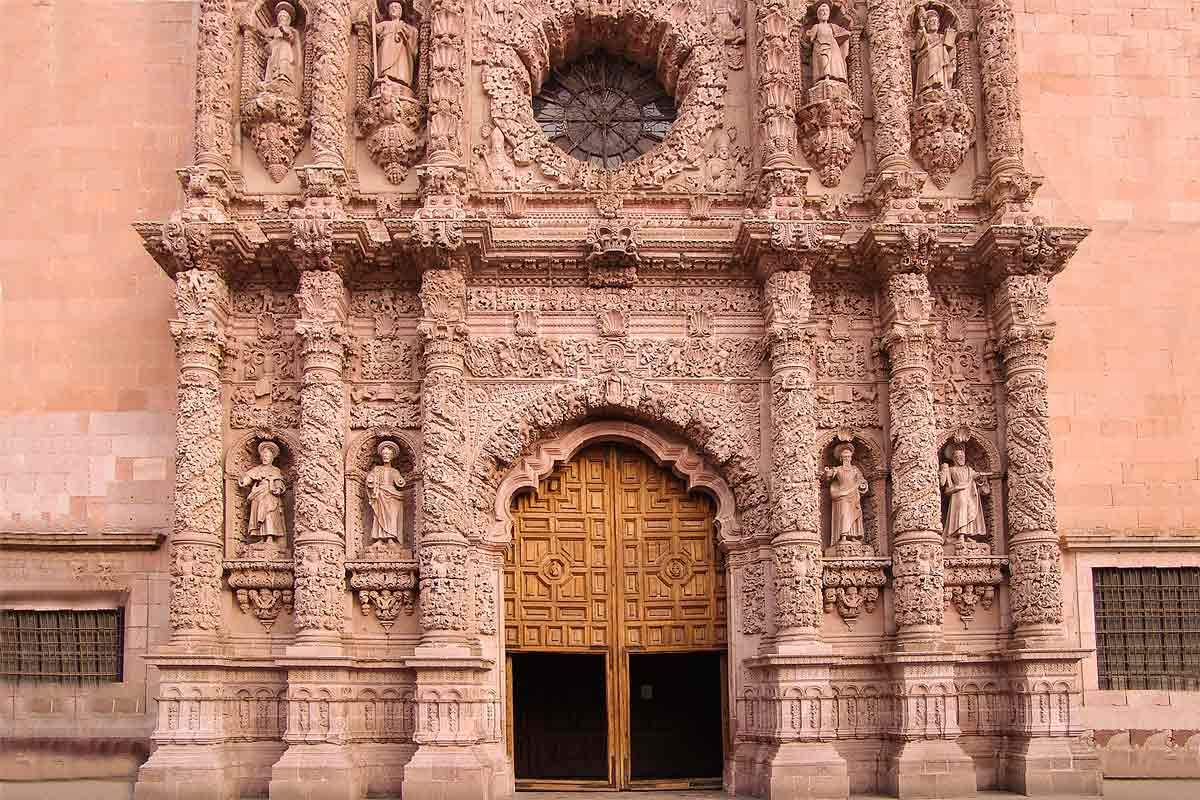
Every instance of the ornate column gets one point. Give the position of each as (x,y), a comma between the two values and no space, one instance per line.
(189,734)
(924,757)
(214,85)
(455,740)
(798,760)
(891,94)
(781,177)
(197,538)
(330,29)
(1044,673)
(795,528)
(1001,102)
(318,672)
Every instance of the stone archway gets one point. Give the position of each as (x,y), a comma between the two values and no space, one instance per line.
(676,615)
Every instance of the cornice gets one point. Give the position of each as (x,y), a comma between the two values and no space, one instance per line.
(82,540)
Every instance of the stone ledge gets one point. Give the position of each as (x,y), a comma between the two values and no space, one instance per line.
(143,539)
(1188,539)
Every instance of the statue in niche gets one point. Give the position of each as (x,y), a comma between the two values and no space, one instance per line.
(395,53)
(284,57)
(830,45)
(384,483)
(964,522)
(937,54)
(499,163)
(265,521)
(847,485)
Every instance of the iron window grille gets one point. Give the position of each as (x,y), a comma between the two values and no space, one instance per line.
(79,648)
(1148,627)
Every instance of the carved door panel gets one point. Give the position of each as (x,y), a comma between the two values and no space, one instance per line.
(613,554)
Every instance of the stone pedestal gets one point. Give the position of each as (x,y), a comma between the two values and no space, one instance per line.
(316,772)
(178,771)
(924,758)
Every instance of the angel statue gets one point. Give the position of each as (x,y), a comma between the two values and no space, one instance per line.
(847,484)
(384,483)
(265,521)
(964,522)
(395,53)
(830,44)
(937,54)
(284,56)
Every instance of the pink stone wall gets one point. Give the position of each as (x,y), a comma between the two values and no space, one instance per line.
(97,100)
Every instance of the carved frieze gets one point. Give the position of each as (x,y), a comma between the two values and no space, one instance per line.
(573,357)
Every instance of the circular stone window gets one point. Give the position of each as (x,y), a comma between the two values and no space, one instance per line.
(604,110)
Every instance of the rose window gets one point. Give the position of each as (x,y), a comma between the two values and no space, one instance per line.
(604,110)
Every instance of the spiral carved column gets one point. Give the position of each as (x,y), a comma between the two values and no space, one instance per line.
(330,29)
(890,85)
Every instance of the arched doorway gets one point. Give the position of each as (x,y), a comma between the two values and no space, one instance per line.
(615,628)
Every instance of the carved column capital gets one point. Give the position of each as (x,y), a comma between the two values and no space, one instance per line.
(1012,250)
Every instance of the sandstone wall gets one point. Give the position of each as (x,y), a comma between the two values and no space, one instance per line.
(97,100)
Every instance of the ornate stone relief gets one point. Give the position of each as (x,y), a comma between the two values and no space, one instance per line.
(971,582)
(967,523)
(277,60)
(521,48)
(701,295)
(943,115)
(830,117)
(851,586)
(390,91)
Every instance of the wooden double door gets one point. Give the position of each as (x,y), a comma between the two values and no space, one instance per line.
(615,628)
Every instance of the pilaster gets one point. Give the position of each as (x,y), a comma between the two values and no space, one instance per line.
(318,762)
(795,757)
(189,730)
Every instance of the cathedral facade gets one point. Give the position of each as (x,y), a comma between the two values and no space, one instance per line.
(613,394)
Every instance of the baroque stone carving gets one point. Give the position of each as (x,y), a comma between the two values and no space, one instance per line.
(964,520)
(265,521)
(384,497)
(847,485)
(830,118)
(276,58)
(389,115)
(971,582)
(943,118)
(263,588)
(385,588)
(851,586)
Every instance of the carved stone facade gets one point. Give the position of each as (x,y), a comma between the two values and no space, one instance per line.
(415,316)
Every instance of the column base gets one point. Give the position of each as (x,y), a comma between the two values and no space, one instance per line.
(453,772)
(315,772)
(1047,766)
(194,772)
(804,771)
(927,769)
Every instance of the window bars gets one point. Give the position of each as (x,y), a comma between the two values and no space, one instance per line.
(1148,628)
(79,648)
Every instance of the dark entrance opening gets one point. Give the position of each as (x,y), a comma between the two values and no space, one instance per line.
(675,716)
(560,717)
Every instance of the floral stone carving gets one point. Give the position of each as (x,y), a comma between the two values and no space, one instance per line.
(263,588)
(273,111)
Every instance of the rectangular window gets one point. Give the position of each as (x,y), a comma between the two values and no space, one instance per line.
(61,646)
(1148,627)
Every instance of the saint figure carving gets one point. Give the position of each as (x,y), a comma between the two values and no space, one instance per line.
(830,44)
(265,519)
(384,483)
(964,509)
(936,54)
(283,53)
(396,53)
(847,484)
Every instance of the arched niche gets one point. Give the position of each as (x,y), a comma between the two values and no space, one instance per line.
(671,453)
(869,458)
(360,458)
(983,456)
(844,15)
(240,456)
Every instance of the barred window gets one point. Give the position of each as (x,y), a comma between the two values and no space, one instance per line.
(61,646)
(1148,628)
